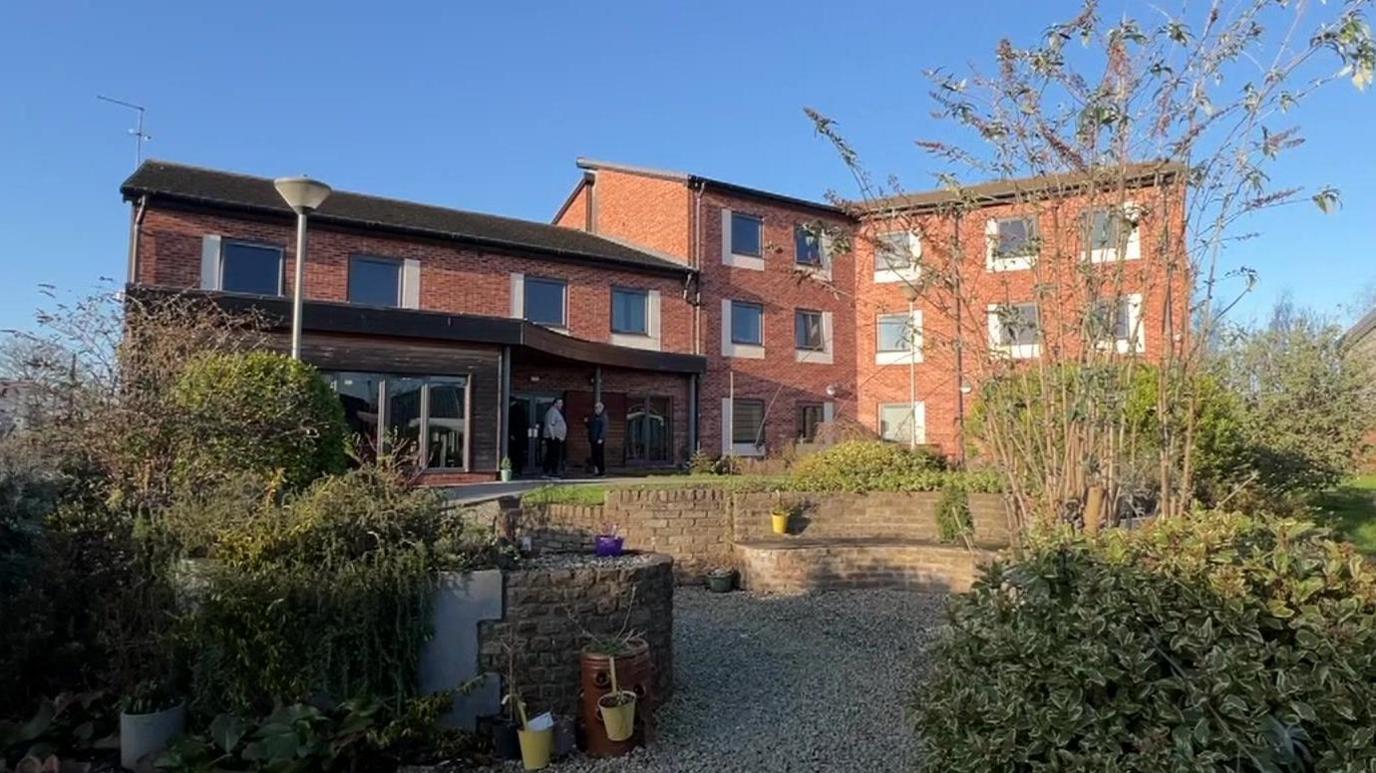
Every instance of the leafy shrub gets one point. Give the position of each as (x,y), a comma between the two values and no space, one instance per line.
(868,465)
(953,519)
(1211,642)
(703,463)
(257,412)
(29,491)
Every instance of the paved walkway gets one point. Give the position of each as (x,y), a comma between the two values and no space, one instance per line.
(809,683)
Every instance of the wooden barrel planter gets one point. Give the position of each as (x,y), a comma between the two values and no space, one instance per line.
(634,672)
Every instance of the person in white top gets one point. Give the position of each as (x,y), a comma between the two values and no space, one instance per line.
(556,432)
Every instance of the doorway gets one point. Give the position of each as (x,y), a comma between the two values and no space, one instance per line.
(525,423)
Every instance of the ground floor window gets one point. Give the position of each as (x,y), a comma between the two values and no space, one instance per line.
(421,416)
(647,429)
(810,416)
(747,422)
(901,422)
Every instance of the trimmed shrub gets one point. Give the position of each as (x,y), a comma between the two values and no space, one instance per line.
(869,465)
(1214,642)
(257,412)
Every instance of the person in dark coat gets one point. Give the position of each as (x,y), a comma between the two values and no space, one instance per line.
(597,439)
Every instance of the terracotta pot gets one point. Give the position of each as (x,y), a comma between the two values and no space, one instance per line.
(635,674)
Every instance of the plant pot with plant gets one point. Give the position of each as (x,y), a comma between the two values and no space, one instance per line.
(504,469)
(779,518)
(535,735)
(151,716)
(608,543)
(721,579)
(617,709)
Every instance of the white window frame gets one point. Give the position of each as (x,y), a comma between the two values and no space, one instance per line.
(909,274)
(900,357)
(1136,342)
(729,447)
(992,260)
(1014,351)
(730,348)
(652,339)
(919,419)
(824,356)
(1132,250)
(729,258)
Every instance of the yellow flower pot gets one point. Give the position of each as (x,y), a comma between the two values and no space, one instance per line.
(536,746)
(780,522)
(619,719)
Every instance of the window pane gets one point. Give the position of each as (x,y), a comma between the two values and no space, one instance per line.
(747,421)
(746,235)
(892,333)
(403,415)
(807,330)
(545,301)
(892,251)
(358,394)
(447,424)
(628,311)
(747,323)
(807,247)
(1018,324)
(250,268)
(1016,237)
(809,417)
(375,282)
(1104,233)
(895,422)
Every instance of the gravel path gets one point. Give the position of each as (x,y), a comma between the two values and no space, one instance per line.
(813,683)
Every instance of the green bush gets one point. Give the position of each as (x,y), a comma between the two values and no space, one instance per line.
(953,519)
(257,412)
(1214,642)
(869,465)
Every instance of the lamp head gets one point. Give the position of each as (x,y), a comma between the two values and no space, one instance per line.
(302,194)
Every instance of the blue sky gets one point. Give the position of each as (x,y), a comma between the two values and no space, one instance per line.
(485,106)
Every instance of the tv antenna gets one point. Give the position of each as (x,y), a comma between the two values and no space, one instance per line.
(138,133)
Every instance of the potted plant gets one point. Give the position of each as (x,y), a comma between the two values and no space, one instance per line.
(150,717)
(779,518)
(617,709)
(536,736)
(505,741)
(608,543)
(721,579)
(505,469)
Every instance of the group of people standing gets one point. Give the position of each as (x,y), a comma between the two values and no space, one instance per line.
(556,433)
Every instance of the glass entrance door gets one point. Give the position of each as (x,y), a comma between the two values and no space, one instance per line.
(525,432)
(647,430)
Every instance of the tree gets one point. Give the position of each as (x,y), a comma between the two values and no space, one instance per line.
(1151,134)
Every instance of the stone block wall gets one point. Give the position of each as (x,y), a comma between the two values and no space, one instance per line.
(809,566)
(550,602)
(896,515)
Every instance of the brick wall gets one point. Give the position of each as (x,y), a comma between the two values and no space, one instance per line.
(452,278)
(546,609)
(885,515)
(932,568)
(649,211)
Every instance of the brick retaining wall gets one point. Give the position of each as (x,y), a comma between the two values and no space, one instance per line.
(804,566)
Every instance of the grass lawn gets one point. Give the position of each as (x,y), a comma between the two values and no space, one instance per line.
(596,493)
(1351,510)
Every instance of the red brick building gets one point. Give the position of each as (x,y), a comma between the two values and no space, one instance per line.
(703,314)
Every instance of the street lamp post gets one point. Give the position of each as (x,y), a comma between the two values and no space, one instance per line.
(304,196)
(911,291)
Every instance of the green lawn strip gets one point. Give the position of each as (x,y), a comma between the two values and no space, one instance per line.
(1350,509)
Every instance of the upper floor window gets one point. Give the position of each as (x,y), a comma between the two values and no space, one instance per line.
(1014,329)
(747,235)
(747,323)
(250,268)
(630,311)
(807,330)
(893,332)
(374,281)
(546,301)
(1017,237)
(1115,323)
(807,246)
(1111,235)
(895,251)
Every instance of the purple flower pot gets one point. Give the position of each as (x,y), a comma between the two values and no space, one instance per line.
(608,546)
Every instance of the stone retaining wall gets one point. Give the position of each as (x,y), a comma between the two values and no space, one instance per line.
(802,567)
(548,604)
(900,515)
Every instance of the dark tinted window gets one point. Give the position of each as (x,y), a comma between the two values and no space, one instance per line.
(375,281)
(807,247)
(747,421)
(809,417)
(545,301)
(747,237)
(629,312)
(251,268)
(807,330)
(747,323)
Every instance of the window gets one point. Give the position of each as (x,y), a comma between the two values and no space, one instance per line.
(251,268)
(807,246)
(647,429)
(1115,323)
(1106,229)
(810,416)
(893,333)
(901,423)
(747,323)
(1016,237)
(894,251)
(423,417)
(747,235)
(544,301)
(375,281)
(807,330)
(747,422)
(630,312)
(1014,329)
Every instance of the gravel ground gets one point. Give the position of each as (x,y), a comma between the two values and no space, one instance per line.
(811,683)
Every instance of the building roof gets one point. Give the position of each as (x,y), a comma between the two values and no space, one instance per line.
(1364,327)
(209,187)
(997,191)
(721,185)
